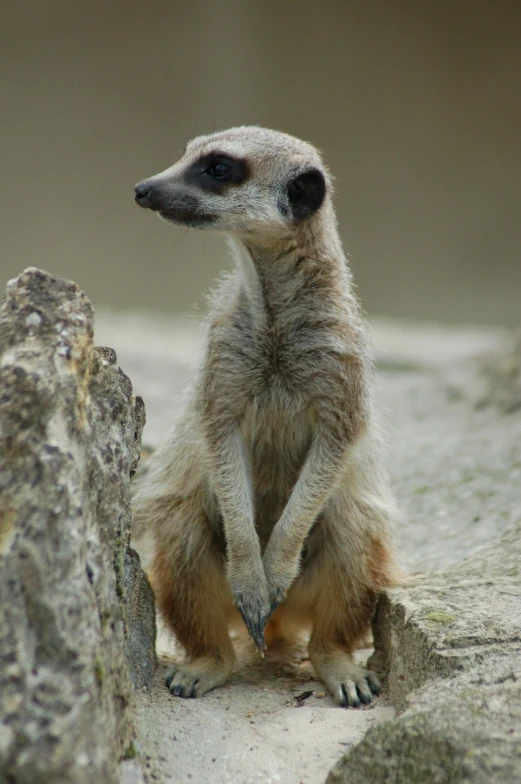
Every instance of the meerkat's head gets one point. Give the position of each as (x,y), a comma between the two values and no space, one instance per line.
(245,181)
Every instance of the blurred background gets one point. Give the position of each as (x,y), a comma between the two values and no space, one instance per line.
(416,105)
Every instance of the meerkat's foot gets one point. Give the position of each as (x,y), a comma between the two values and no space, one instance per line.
(349,684)
(195,678)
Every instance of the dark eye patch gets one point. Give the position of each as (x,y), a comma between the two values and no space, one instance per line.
(215,172)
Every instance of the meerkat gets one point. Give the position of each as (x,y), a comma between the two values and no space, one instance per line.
(269,497)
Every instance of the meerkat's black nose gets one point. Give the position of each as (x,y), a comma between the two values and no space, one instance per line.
(144,194)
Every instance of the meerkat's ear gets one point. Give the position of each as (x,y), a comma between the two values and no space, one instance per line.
(306,193)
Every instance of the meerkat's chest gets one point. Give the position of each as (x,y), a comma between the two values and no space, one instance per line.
(287,378)
(278,438)
(286,360)
(268,422)
(277,443)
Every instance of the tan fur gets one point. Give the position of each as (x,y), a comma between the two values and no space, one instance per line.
(270,489)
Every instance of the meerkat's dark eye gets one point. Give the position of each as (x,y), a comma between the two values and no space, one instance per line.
(216,172)
(219,171)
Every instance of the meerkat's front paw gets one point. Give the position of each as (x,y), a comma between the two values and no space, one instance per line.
(349,684)
(280,577)
(255,616)
(198,676)
(251,599)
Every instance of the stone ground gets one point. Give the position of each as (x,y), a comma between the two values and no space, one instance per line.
(456,467)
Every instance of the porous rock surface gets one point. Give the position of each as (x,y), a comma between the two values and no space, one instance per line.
(76,612)
(451,645)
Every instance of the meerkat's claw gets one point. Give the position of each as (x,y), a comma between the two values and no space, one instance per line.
(374,683)
(180,689)
(350,685)
(255,623)
(196,677)
(353,693)
(256,629)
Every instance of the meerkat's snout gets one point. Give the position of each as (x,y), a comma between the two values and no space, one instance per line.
(146,196)
(172,197)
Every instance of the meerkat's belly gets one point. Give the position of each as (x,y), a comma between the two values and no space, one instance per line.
(278,443)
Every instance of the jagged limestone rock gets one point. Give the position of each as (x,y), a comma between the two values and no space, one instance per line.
(451,646)
(70,609)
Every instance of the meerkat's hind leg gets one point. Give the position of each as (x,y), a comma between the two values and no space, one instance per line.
(346,586)
(340,623)
(195,600)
